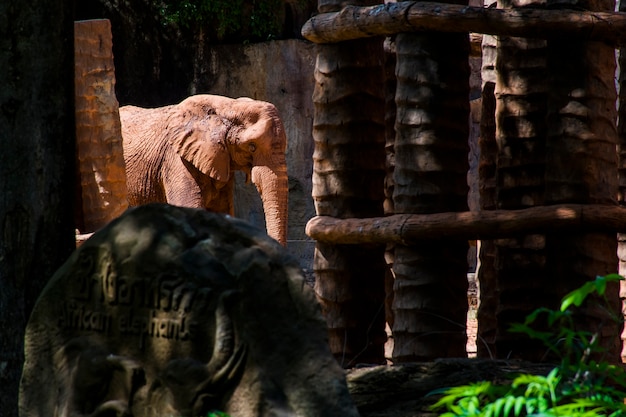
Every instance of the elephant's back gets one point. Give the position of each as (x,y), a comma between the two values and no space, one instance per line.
(138,120)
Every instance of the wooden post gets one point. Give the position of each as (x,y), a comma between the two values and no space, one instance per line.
(432,130)
(390,140)
(488,155)
(521,93)
(621,169)
(581,167)
(102,194)
(348,181)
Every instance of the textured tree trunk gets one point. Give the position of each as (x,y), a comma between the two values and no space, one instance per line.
(102,186)
(431,151)
(36,168)
(348,181)
(390,140)
(581,167)
(521,91)
(621,196)
(485,269)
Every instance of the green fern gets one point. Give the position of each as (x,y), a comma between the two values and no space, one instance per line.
(578,387)
(217,414)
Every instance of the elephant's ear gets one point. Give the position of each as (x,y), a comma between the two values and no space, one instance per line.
(203,144)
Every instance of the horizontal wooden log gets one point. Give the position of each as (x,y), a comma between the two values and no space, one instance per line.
(354,22)
(407,228)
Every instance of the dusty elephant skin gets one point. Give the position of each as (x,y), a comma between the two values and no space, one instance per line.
(185,155)
(171,311)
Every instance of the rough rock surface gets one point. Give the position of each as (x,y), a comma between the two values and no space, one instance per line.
(402,390)
(170,311)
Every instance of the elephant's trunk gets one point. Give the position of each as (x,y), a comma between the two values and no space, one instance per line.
(272,184)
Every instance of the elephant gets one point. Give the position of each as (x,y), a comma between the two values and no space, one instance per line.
(186,154)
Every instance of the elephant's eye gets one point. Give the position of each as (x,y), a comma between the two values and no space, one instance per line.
(252,147)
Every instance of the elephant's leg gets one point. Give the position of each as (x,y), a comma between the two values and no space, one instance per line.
(179,183)
(218,197)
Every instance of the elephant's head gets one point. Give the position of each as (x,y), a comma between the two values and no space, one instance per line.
(219,135)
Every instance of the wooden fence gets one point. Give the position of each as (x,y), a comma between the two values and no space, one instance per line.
(355,331)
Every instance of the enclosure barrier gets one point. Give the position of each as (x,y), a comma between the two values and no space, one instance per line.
(354,22)
(470,225)
(429,241)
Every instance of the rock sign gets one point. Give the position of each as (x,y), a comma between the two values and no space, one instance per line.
(169,311)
